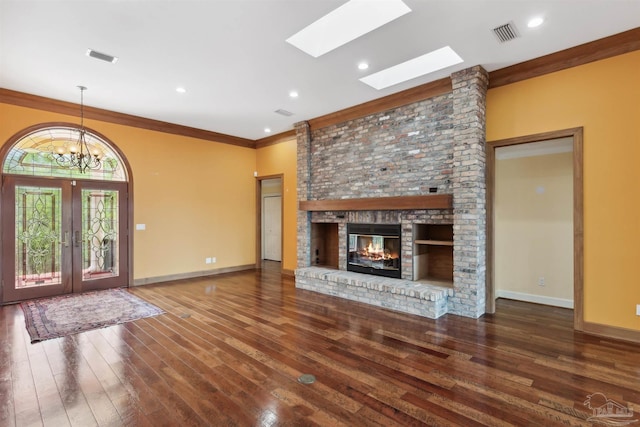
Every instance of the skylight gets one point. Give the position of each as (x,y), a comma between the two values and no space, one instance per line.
(416,67)
(353,19)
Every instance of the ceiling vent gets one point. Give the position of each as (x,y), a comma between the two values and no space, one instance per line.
(284,112)
(506,32)
(101,56)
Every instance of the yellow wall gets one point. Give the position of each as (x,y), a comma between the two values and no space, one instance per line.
(603,97)
(281,159)
(533,230)
(196,197)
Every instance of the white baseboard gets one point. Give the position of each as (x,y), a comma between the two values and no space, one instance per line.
(538,299)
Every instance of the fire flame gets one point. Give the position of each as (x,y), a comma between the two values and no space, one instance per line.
(376,252)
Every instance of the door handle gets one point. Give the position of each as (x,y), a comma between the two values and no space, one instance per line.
(76,238)
(65,242)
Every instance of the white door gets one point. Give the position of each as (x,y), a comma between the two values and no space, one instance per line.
(272,228)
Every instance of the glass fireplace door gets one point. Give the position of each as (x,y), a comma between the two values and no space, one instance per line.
(374,249)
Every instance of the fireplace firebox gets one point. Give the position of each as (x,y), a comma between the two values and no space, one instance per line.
(374,249)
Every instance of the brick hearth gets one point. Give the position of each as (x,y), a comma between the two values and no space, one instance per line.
(395,294)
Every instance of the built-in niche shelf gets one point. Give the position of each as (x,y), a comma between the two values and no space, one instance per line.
(433,253)
(324,245)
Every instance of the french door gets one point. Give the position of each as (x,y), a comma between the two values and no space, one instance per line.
(62,236)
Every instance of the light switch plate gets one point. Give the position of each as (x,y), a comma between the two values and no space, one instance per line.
(141,226)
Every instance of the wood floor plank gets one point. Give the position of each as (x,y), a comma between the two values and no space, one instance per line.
(25,397)
(51,407)
(7,334)
(62,356)
(189,370)
(160,377)
(230,348)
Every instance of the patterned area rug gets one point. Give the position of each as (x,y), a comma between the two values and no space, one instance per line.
(70,314)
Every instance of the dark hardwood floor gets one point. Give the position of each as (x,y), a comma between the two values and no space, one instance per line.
(230,349)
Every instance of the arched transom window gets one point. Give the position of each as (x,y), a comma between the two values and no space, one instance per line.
(48,152)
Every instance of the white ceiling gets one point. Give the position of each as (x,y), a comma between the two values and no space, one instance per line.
(232,57)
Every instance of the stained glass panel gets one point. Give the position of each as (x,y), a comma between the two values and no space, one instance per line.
(100,255)
(45,152)
(38,236)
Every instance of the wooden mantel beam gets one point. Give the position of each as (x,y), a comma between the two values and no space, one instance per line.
(431,201)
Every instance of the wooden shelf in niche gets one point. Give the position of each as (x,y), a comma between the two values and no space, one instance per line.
(434,242)
(433,253)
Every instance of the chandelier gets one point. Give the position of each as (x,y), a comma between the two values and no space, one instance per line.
(80,155)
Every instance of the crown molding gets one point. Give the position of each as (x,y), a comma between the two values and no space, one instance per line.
(69,108)
(604,48)
(408,96)
(275,139)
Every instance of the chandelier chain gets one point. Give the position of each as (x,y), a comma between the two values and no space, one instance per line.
(81,156)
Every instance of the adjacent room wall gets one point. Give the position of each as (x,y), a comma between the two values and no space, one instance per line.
(603,98)
(281,159)
(196,197)
(533,229)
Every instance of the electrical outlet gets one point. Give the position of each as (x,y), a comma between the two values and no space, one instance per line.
(637,309)
(541,281)
(213,260)
(207,260)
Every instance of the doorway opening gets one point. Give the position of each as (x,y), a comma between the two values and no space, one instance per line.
(499,235)
(64,230)
(269,217)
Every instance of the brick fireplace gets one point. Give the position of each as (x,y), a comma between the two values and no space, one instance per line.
(387,168)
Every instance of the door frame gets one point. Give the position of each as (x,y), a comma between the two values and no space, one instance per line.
(578,215)
(258,253)
(125,163)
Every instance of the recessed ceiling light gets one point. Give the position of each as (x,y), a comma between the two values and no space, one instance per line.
(353,19)
(293,94)
(535,22)
(363,66)
(416,67)
(181,90)
(267,130)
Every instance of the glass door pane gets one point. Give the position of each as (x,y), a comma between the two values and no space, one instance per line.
(38,236)
(100,257)
(36,250)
